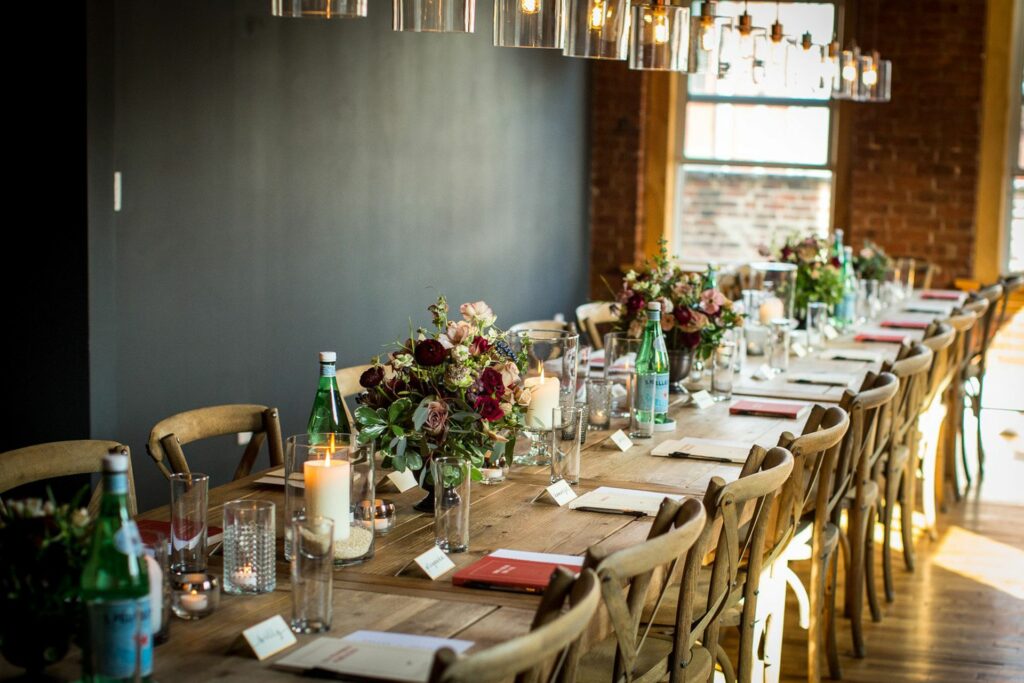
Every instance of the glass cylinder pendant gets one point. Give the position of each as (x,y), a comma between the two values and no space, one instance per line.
(322,9)
(597,29)
(849,75)
(660,38)
(883,92)
(434,16)
(530,23)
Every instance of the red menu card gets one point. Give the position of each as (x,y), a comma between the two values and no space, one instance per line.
(939,294)
(214,534)
(515,570)
(893,338)
(769,409)
(906,324)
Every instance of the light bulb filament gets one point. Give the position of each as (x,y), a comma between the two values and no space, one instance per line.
(660,28)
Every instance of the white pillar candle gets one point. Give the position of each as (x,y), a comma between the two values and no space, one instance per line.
(543,399)
(327,492)
(771,308)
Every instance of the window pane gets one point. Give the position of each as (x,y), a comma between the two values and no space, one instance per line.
(726,213)
(757,132)
(1017,225)
(1020,144)
(816,17)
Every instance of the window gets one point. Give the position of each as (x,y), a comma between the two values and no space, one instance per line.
(756,157)
(1016,260)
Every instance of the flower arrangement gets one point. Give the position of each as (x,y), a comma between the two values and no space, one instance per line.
(692,317)
(871,262)
(451,391)
(818,277)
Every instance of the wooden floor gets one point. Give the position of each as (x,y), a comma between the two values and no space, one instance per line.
(960,616)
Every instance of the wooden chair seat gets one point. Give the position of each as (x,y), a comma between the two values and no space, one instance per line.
(600,659)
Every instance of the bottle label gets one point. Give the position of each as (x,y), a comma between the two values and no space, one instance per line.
(656,386)
(116,482)
(120,638)
(128,540)
(327,370)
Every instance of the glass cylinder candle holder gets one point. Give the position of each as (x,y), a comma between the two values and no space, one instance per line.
(384,512)
(249,547)
(189,495)
(318,9)
(722,371)
(434,16)
(659,38)
(155,549)
(494,468)
(551,365)
(597,29)
(312,568)
(778,345)
(777,283)
(619,361)
(530,23)
(565,443)
(599,403)
(194,595)
(331,475)
(452,482)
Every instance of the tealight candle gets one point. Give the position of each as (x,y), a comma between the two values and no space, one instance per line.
(544,393)
(327,492)
(194,596)
(244,578)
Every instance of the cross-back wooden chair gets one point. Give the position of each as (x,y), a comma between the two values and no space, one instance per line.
(170,434)
(633,578)
(551,325)
(962,321)
(61,459)
(940,338)
(911,368)
(971,342)
(596,318)
(348,386)
(1012,283)
(548,653)
(863,446)
(974,371)
(808,502)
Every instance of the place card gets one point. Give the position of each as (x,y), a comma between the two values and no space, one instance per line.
(558,493)
(620,439)
(763,373)
(434,563)
(702,399)
(402,481)
(798,349)
(269,637)
(830,332)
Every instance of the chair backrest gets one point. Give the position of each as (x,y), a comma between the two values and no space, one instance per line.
(596,318)
(864,442)
(974,340)
(348,385)
(1011,283)
(60,459)
(739,513)
(170,434)
(939,338)
(912,371)
(627,577)
(816,456)
(990,322)
(962,321)
(548,652)
(550,325)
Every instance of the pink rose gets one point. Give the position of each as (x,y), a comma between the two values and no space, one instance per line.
(458,332)
(436,423)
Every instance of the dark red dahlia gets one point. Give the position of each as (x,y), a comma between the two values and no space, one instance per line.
(488,408)
(430,352)
(372,377)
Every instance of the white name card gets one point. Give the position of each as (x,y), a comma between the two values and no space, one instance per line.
(559,493)
(403,481)
(831,332)
(620,439)
(798,349)
(434,563)
(269,637)
(702,399)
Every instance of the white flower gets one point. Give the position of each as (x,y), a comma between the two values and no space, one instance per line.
(401,360)
(479,313)
(460,354)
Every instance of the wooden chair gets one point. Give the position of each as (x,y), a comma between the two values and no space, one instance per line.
(809,504)
(939,338)
(348,386)
(60,459)
(550,325)
(911,368)
(170,434)
(547,653)
(596,318)
(962,321)
(631,580)
(1011,282)
(864,445)
(971,342)
(974,372)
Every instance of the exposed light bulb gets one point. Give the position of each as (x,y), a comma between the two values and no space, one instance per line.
(597,15)
(870,76)
(707,38)
(850,72)
(660,28)
(529,6)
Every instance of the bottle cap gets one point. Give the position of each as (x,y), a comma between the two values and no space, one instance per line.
(115,462)
(653,305)
(328,356)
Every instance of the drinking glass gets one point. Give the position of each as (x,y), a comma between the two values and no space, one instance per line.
(817,317)
(778,343)
(452,477)
(312,568)
(642,409)
(565,443)
(722,370)
(619,361)
(154,546)
(189,492)
(871,288)
(249,547)
(599,403)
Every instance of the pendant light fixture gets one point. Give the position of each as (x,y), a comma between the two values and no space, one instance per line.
(434,16)
(530,23)
(705,38)
(776,58)
(660,36)
(742,48)
(319,9)
(597,29)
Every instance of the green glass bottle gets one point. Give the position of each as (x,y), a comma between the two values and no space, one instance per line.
(115,588)
(848,306)
(328,414)
(837,247)
(652,369)
(710,277)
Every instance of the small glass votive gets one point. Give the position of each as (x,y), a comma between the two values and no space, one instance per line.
(194,595)
(312,567)
(817,317)
(642,410)
(189,491)
(722,369)
(599,403)
(154,548)
(565,443)
(778,346)
(495,467)
(384,514)
(249,547)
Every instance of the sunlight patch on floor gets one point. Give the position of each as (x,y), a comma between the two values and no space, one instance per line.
(981,559)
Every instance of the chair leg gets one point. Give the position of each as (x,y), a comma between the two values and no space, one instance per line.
(963,446)
(909,493)
(854,594)
(929,484)
(892,487)
(981,448)
(835,671)
(869,568)
(815,631)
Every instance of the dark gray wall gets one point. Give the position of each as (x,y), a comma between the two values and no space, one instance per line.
(297,185)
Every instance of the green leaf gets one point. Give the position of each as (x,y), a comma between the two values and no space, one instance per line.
(397,431)
(476,475)
(366,415)
(414,460)
(400,449)
(420,415)
(373,431)
(397,408)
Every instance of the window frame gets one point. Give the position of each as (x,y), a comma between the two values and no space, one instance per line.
(1014,167)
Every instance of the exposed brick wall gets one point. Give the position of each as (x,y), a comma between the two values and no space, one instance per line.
(616,172)
(914,160)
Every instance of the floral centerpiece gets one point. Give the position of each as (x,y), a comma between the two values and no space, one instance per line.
(43,548)
(694,318)
(818,277)
(453,390)
(871,262)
